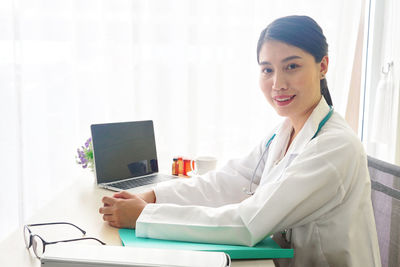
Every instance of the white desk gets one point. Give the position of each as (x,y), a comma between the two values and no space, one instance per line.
(78,205)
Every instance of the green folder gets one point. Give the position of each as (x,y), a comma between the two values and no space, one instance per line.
(266,249)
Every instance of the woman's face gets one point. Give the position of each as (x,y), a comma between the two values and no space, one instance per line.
(290,79)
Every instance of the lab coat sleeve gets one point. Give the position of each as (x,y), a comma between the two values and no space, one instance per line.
(217,188)
(311,186)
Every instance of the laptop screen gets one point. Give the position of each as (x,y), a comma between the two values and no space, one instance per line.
(124,150)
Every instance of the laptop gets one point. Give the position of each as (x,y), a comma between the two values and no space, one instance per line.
(125,155)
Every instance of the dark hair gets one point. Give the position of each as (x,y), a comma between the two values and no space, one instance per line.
(302,32)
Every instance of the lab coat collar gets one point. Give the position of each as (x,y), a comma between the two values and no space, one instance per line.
(279,145)
(310,127)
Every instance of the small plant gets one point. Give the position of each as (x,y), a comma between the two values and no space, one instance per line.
(85,155)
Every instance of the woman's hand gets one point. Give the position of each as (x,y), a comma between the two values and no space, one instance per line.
(149,197)
(123,209)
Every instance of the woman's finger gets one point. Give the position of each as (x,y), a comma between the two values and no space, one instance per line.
(105,210)
(114,224)
(108,218)
(108,200)
(123,194)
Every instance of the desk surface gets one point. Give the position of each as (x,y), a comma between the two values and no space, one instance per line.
(79,205)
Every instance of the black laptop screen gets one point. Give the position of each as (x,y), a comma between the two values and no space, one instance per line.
(124,150)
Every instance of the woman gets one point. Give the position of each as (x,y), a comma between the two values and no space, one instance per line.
(307,179)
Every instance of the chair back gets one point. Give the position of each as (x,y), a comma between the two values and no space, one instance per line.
(385,183)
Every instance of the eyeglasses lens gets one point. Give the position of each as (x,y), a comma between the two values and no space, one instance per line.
(27,237)
(37,245)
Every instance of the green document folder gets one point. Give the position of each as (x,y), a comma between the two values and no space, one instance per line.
(267,248)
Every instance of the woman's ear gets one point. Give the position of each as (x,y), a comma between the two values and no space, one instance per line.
(323,67)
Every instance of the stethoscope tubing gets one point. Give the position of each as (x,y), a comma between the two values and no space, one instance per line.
(250,192)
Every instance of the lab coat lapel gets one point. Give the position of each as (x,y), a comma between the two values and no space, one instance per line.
(279,143)
(309,129)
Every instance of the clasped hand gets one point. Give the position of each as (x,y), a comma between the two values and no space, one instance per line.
(123,209)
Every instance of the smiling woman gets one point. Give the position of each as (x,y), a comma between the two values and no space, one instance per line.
(188,65)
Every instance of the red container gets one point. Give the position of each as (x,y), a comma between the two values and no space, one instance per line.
(186,166)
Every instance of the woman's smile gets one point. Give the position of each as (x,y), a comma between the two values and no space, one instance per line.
(283,100)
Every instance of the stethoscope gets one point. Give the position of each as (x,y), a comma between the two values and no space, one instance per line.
(321,124)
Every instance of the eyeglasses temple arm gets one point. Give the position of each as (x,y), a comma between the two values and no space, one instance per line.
(52,223)
(76,239)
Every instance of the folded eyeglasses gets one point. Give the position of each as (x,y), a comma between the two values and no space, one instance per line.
(38,244)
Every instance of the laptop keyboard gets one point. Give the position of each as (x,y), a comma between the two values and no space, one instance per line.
(152,179)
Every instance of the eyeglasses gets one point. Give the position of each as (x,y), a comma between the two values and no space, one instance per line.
(39,244)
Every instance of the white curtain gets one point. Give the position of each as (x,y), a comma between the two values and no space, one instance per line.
(190,66)
(382,106)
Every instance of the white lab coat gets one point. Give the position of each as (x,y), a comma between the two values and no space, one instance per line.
(320,189)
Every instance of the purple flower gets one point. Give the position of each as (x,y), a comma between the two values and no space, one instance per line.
(81,155)
(87,143)
(85,155)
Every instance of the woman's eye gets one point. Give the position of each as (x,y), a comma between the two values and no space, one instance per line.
(292,66)
(267,70)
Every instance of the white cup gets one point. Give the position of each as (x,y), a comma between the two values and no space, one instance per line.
(204,164)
